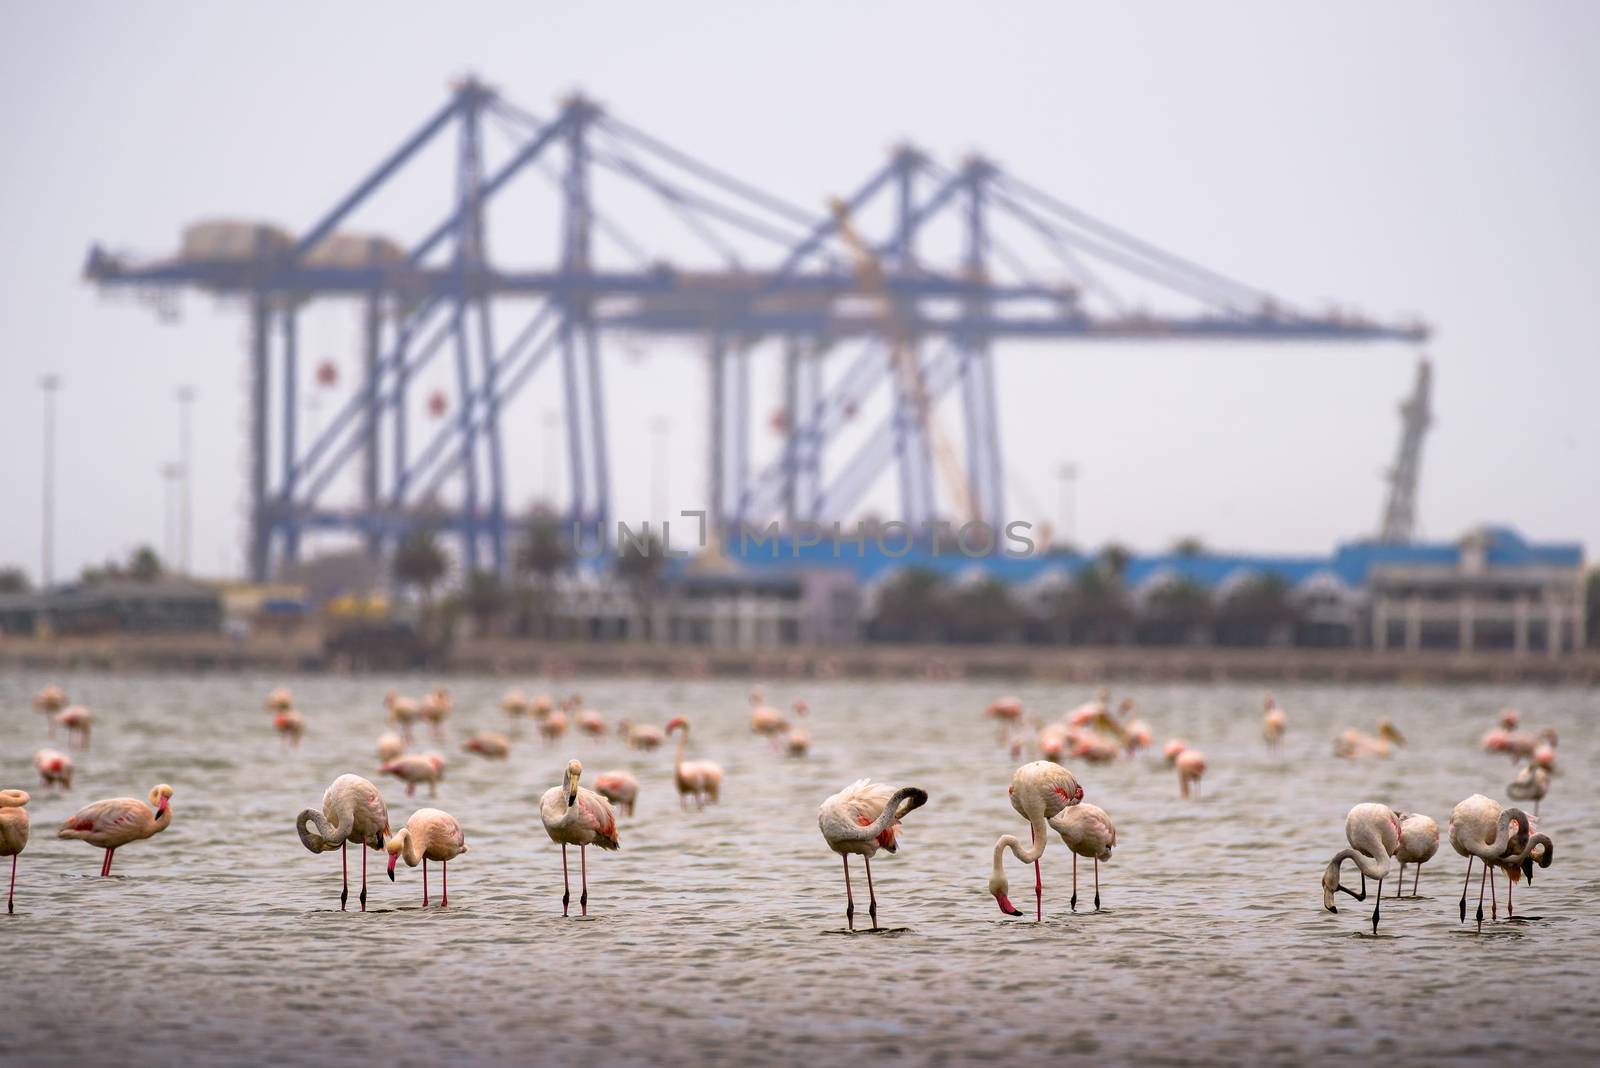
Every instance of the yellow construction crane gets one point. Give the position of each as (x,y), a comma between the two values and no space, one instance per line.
(903,350)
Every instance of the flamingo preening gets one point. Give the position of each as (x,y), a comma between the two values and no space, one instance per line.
(1419,841)
(290,725)
(1038,791)
(111,824)
(1531,784)
(1480,828)
(1088,832)
(575,815)
(54,767)
(699,779)
(430,834)
(13,835)
(861,819)
(1373,832)
(619,787)
(352,811)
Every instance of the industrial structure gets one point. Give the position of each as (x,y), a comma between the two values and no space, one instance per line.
(1416,416)
(897,299)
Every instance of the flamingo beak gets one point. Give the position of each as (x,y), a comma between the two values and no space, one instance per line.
(1006,906)
(393,857)
(161,807)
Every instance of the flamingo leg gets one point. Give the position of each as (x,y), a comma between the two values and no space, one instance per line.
(1416,877)
(1376,905)
(872,898)
(444,898)
(344,867)
(110,856)
(411,789)
(1073,904)
(849,898)
(363,877)
(105,862)
(1402,880)
(1464,883)
(1097,884)
(1481,878)
(1038,884)
(566,885)
(1494,904)
(11,893)
(583,875)
(1509,884)
(424,882)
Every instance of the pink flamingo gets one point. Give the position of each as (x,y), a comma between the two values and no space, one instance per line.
(515,705)
(436,709)
(619,787)
(430,834)
(798,742)
(1038,791)
(1480,828)
(76,719)
(13,835)
(1373,832)
(699,779)
(109,825)
(1191,765)
(766,720)
(403,712)
(592,723)
(642,736)
(574,815)
(279,700)
(488,744)
(1419,841)
(352,811)
(49,701)
(412,768)
(390,745)
(1273,724)
(1088,832)
(290,725)
(54,767)
(553,724)
(861,819)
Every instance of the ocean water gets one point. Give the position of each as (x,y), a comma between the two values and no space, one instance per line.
(718,936)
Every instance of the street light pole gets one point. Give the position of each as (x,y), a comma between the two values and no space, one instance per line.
(171,475)
(49,384)
(1068,474)
(186,466)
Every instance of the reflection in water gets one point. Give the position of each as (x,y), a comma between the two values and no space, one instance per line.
(716,935)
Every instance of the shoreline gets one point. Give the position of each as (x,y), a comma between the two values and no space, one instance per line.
(305,652)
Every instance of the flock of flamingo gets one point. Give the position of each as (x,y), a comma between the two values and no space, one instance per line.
(859,820)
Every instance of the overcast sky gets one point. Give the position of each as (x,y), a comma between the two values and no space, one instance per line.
(1427,159)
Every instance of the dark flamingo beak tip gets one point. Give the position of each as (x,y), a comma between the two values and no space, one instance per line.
(1006,906)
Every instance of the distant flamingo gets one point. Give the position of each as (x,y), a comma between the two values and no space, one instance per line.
(1509,718)
(1091,748)
(1373,832)
(1053,742)
(54,767)
(619,787)
(49,701)
(539,705)
(1190,764)
(390,745)
(279,700)
(429,834)
(699,779)
(412,768)
(1353,744)
(1531,784)
(13,835)
(76,719)
(766,720)
(553,725)
(861,819)
(798,742)
(1089,711)
(1038,791)
(1480,828)
(574,815)
(1273,724)
(109,825)
(1005,711)
(352,811)
(436,709)
(1419,841)
(640,735)
(403,712)
(592,723)
(515,705)
(290,725)
(1136,735)
(488,744)
(1518,745)
(1088,832)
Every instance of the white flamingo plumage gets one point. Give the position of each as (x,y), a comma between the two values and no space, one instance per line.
(576,815)
(861,819)
(1419,841)
(1273,723)
(50,700)
(1038,791)
(13,835)
(1088,832)
(352,811)
(1190,764)
(1373,832)
(699,779)
(390,745)
(403,712)
(430,834)
(1481,829)
(112,824)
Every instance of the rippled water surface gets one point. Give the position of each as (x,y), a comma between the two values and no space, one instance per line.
(716,936)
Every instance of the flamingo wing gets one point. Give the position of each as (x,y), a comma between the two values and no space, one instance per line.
(598,816)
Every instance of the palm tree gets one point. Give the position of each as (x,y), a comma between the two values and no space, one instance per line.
(982,612)
(639,564)
(1257,611)
(419,561)
(484,598)
(910,607)
(1175,611)
(544,553)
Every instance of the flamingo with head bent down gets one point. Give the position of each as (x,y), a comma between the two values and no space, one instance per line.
(1480,828)
(430,834)
(1038,791)
(352,811)
(1088,832)
(109,825)
(861,819)
(1373,832)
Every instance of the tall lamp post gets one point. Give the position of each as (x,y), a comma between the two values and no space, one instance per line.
(186,467)
(1068,474)
(49,384)
(171,475)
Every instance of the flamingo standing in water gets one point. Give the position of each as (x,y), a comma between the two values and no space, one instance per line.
(592,723)
(436,709)
(1088,832)
(76,719)
(1532,782)
(1038,791)
(1373,832)
(798,742)
(352,811)
(766,720)
(412,768)
(619,787)
(279,700)
(642,736)
(290,725)
(1273,724)
(403,712)
(699,779)
(1480,828)
(109,825)
(574,815)
(488,744)
(390,745)
(13,835)
(54,767)
(1419,841)
(861,819)
(49,701)
(1191,766)
(553,724)
(515,705)
(429,834)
